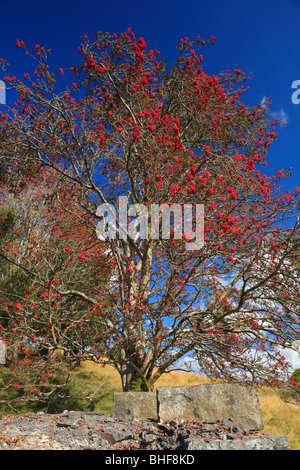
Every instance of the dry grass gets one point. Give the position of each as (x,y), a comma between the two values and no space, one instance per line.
(179,379)
(280,417)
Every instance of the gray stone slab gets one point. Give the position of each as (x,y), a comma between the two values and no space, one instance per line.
(135,405)
(211,403)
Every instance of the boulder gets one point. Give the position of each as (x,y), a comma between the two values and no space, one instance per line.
(140,405)
(211,403)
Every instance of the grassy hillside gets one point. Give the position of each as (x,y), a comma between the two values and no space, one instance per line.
(280,416)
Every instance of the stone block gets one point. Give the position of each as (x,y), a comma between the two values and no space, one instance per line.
(211,403)
(139,405)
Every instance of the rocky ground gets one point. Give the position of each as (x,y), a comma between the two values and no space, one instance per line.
(74,430)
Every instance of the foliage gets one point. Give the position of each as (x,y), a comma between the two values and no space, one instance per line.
(296,375)
(294,381)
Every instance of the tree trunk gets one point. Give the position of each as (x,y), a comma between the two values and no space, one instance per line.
(132,380)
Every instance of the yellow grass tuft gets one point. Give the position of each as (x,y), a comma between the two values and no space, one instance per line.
(281,417)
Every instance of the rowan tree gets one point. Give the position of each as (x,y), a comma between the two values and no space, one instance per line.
(48,250)
(129,125)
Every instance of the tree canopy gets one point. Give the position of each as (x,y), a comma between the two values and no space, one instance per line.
(129,125)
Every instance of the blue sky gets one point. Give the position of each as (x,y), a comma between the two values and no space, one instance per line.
(258,36)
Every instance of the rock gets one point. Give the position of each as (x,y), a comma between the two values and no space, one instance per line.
(106,436)
(135,405)
(82,431)
(211,403)
(148,438)
(244,443)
